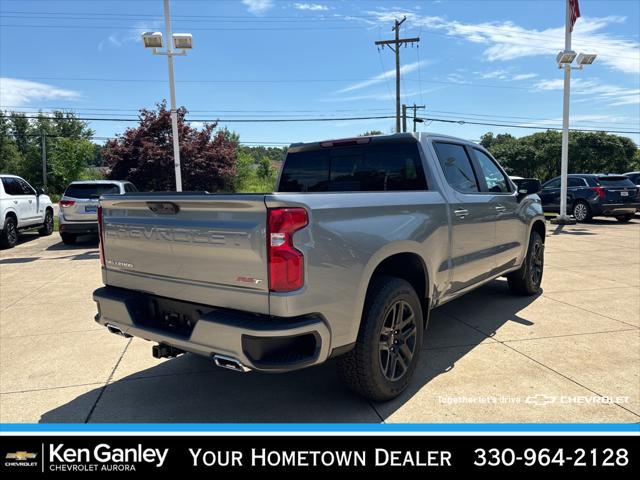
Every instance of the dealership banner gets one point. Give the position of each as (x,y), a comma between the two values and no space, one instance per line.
(53,455)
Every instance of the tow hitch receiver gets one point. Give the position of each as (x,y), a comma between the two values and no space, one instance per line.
(166,351)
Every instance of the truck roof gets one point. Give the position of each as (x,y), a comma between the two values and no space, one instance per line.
(298,146)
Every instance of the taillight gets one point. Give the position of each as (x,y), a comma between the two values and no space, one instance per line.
(101,236)
(66,203)
(600,191)
(286,263)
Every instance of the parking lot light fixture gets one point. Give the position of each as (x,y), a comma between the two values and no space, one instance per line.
(182,42)
(586,59)
(152,40)
(565,57)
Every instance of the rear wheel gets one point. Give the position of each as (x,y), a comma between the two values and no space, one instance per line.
(47,227)
(388,346)
(624,218)
(68,238)
(527,279)
(582,212)
(9,235)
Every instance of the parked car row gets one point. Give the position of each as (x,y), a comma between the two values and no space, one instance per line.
(593,195)
(23,207)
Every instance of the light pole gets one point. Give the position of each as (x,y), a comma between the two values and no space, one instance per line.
(564,60)
(182,42)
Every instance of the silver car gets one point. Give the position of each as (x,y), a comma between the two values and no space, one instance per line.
(78,214)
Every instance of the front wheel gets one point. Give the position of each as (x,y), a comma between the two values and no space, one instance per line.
(624,218)
(47,227)
(527,279)
(388,346)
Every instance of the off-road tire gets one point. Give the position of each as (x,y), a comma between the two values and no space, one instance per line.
(362,368)
(527,279)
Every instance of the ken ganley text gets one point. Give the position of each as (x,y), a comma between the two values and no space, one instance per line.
(262,457)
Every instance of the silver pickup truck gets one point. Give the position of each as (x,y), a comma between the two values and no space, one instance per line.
(362,238)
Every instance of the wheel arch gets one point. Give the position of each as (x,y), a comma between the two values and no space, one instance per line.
(406,264)
(12,214)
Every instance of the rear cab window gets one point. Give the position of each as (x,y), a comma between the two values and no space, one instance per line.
(376,166)
(91,190)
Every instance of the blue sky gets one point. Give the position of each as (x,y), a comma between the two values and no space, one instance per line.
(482,61)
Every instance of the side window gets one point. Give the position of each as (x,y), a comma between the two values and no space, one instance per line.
(495,180)
(575,182)
(456,166)
(11,186)
(26,188)
(555,183)
(130,187)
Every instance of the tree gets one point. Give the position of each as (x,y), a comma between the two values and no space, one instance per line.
(538,155)
(372,132)
(69,159)
(144,154)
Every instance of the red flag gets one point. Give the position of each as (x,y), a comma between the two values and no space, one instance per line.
(575,12)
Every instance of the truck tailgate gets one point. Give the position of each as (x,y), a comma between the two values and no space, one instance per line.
(202,248)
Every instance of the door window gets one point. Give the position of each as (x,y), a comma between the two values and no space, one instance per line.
(555,183)
(494,179)
(457,167)
(11,186)
(575,182)
(25,187)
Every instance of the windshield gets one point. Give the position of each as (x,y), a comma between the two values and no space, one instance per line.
(90,190)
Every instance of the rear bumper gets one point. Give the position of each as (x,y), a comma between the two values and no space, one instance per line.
(258,342)
(79,228)
(613,209)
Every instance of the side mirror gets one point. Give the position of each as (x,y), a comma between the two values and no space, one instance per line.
(39,191)
(527,186)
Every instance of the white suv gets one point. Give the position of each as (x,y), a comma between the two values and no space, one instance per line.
(22,207)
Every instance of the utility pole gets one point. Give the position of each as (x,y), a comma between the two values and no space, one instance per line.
(404,117)
(415,115)
(43,146)
(394,46)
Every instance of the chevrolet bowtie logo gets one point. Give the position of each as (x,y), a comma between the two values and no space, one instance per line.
(21,456)
(540,399)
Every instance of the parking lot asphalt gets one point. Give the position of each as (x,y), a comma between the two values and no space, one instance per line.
(571,354)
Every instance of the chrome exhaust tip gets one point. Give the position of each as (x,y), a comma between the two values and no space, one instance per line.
(117,330)
(230,363)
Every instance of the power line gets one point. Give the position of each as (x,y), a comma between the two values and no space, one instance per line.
(333,119)
(304,113)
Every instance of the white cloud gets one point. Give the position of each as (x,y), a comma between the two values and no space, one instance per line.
(16,92)
(500,74)
(508,41)
(258,7)
(524,76)
(389,74)
(613,95)
(312,7)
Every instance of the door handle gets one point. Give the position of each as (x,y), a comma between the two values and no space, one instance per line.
(500,208)
(15,201)
(461,213)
